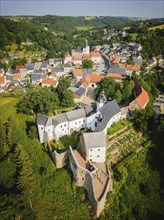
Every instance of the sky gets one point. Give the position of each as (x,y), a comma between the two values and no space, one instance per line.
(130,8)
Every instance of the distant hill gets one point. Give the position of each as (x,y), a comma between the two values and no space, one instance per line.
(69,23)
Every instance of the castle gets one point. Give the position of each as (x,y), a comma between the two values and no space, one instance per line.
(87,162)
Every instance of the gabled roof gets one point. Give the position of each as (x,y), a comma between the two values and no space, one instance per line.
(80,91)
(35,77)
(68,55)
(17,76)
(133,67)
(20,67)
(49,81)
(77,57)
(2,79)
(108,111)
(78,72)
(94,139)
(76,114)
(86,56)
(114,75)
(116,70)
(95,54)
(91,78)
(143,98)
(41,119)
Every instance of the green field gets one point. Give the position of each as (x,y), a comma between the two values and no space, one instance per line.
(158,26)
(8,108)
(134,36)
(23,52)
(84,28)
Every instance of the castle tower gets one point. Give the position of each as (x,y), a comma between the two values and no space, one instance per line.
(101,100)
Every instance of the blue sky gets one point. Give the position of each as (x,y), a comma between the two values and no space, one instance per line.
(132,8)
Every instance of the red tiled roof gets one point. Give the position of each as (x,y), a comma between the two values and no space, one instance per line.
(2,80)
(95,54)
(67,55)
(114,75)
(49,81)
(132,67)
(114,58)
(77,57)
(143,98)
(17,76)
(20,67)
(77,72)
(91,79)
(86,56)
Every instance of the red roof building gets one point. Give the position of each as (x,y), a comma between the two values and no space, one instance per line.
(17,76)
(20,67)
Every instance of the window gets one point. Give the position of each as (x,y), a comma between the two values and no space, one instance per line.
(61,126)
(98,149)
(90,159)
(84,120)
(90,149)
(90,155)
(42,128)
(65,125)
(98,156)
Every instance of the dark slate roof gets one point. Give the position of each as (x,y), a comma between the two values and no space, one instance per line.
(9,77)
(15,71)
(80,91)
(29,66)
(108,111)
(94,139)
(38,71)
(14,81)
(76,114)
(114,69)
(41,119)
(35,77)
(86,71)
(59,119)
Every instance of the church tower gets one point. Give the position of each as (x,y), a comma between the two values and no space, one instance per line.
(101,100)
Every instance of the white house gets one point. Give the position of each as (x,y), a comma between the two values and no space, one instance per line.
(96,57)
(94,146)
(68,58)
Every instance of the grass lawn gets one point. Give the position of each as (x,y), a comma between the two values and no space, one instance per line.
(134,36)
(8,108)
(84,28)
(118,126)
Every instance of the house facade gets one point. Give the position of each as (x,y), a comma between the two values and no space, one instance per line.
(96,117)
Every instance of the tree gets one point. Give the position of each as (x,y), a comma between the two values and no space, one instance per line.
(87,64)
(67,99)
(33,133)
(107,84)
(118,96)
(38,100)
